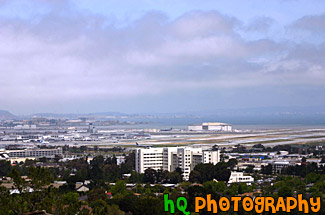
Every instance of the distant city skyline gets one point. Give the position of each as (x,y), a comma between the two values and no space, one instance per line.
(160,56)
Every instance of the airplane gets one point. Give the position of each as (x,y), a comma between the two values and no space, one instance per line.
(44,142)
(146,146)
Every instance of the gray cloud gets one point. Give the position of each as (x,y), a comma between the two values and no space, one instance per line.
(66,56)
(260,24)
(313,24)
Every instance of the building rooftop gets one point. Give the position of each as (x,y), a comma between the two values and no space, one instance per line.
(214,123)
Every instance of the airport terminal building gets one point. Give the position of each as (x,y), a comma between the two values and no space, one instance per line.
(170,158)
(25,153)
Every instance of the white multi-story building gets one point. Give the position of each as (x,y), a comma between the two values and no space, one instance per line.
(239,177)
(211,157)
(170,158)
(34,152)
(277,166)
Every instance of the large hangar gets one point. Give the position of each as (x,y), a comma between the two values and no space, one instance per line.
(211,126)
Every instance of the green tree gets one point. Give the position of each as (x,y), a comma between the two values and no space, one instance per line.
(101,207)
(267,170)
(119,188)
(214,188)
(4,201)
(285,191)
(232,163)
(312,177)
(71,203)
(250,169)
(18,182)
(96,173)
(96,194)
(129,165)
(173,177)
(18,204)
(5,168)
(150,176)
(195,176)
(136,177)
(98,161)
(40,177)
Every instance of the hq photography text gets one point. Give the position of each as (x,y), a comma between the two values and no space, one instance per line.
(258,204)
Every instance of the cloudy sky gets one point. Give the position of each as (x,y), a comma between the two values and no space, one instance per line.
(160,55)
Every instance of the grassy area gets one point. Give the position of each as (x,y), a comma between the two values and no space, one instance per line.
(270,141)
(315,142)
(312,137)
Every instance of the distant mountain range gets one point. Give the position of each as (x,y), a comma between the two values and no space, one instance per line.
(74,115)
(6,115)
(263,115)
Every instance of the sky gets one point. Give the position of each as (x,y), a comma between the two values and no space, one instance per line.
(160,56)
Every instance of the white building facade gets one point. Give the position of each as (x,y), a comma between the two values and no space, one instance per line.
(35,152)
(239,177)
(211,126)
(171,158)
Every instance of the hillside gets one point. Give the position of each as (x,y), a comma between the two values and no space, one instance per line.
(5,115)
